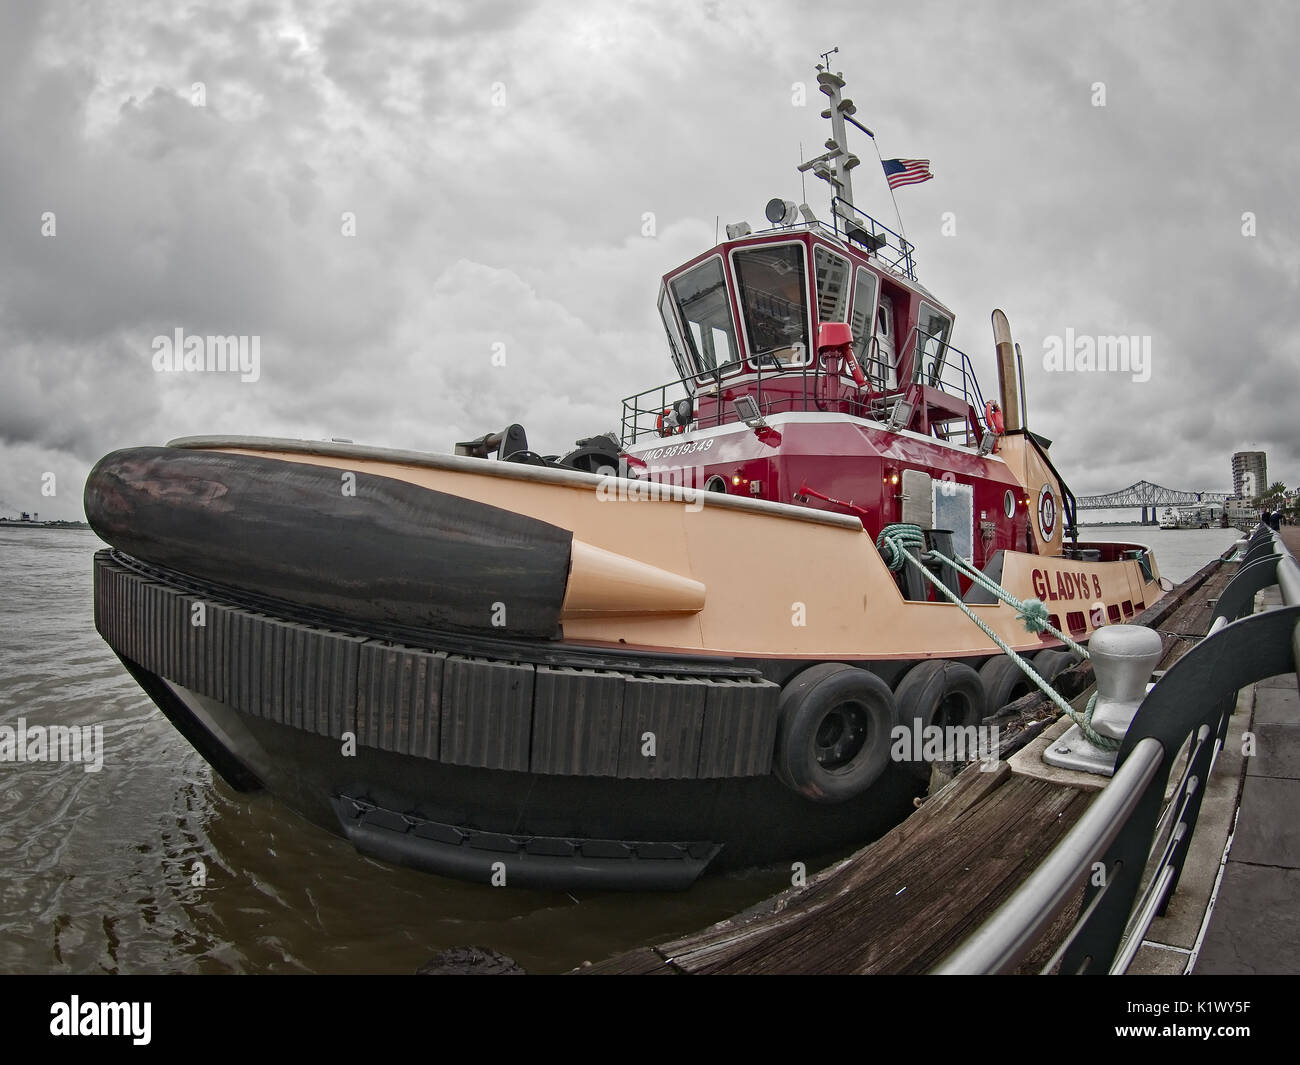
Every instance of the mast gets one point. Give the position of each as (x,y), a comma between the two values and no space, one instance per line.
(835,165)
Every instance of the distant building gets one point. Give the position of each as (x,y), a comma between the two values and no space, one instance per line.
(1248,467)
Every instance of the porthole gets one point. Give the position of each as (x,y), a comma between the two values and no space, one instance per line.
(1009,504)
(715,484)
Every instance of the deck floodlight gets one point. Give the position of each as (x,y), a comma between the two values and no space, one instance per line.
(746,408)
(807,213)
(736,230)
(782,212)
(988,442)
(899,416)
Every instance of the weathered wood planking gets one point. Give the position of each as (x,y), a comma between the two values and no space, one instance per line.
(904,902)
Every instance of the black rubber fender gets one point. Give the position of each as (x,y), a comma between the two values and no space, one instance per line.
(834,733)
(388,552)
(1004,682)
(939,692)
(1051,663)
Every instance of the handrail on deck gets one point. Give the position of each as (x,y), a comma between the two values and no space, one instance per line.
(1109,848)
(893,249)
(957,378)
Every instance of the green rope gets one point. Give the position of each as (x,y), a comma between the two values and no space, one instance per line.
(1033,612)
(893,543)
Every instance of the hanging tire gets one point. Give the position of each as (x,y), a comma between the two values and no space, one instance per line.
(940,693)
(833,738)
(1004,682)
(1052,663)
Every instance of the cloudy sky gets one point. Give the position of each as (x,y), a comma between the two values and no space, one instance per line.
(196,166)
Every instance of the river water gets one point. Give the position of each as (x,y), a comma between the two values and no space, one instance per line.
(153,865)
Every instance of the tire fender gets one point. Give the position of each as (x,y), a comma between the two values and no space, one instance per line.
(1004,682)
(938,692)
(833,700)
(1051,663)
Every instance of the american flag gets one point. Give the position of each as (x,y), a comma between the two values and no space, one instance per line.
(906,171)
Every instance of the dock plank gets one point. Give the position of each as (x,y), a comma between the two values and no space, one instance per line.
(901,904)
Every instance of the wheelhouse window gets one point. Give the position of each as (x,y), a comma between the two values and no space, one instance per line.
(932,336)
(773,290)
(675,343)
(701,297)
(832,285)
(862,322)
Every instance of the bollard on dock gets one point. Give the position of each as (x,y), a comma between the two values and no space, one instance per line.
(1123,657)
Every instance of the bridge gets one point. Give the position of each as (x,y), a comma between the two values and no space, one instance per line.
(1144,494)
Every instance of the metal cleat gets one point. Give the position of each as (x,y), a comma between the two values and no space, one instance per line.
(1123,657)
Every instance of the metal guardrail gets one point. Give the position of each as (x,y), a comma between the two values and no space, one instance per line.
(1110,847)
(892,249)
(641,411)
(954,375)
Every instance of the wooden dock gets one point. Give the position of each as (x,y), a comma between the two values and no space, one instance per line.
(901,904)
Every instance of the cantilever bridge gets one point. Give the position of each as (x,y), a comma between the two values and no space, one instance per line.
(1144,494)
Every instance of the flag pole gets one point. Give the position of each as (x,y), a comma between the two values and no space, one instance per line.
(897,213)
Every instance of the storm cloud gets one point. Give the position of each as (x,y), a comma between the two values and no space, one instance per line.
(441,221)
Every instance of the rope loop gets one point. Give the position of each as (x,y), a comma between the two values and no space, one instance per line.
(896,543)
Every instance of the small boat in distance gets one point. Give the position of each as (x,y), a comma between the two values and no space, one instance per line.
(1192,516)
(683,649)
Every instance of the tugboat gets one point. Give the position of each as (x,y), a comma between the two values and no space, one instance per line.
(675,651)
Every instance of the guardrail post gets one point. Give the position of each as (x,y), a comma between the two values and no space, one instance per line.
(1123,657)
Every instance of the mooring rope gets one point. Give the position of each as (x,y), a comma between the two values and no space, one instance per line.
(893,544)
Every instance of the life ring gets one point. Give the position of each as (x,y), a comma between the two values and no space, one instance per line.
(938,693)
(662,428)
(834,732)
(993,417)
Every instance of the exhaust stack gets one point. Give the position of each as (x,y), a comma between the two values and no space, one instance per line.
(1008,376)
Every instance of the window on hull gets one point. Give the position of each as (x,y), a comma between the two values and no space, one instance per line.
(954,509)
(773,292)
(701,297)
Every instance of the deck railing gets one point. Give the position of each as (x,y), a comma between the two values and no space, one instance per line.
(950,371)
(893,249)
(1112,845)
(641,411)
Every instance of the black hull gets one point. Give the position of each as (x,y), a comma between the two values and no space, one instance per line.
(543,831)
(503,772)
